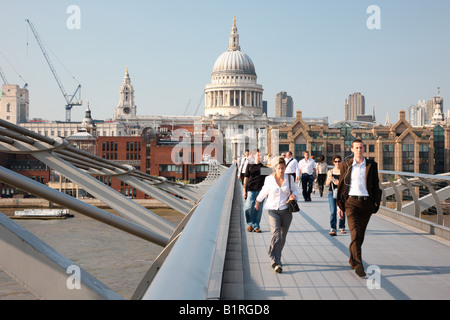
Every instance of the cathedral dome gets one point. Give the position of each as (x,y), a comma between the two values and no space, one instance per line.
(233,88)
(234,62)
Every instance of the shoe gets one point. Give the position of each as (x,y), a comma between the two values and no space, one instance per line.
(333,233)
(257,230)
(359,270)
(278,269)
(249,228)
(343,231)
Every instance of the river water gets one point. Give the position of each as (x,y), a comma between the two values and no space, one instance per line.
(114,257)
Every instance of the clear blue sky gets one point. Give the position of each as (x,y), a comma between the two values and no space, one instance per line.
(317,51)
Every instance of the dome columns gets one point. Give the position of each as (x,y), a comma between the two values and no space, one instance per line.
(233,98)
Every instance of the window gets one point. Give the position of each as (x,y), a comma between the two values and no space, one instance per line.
(439,147)
(424,159)
(299,149)
(170,168)
(346,130)
(337,148)
(316,149)
(202,168)
(388,157)
(348,145)
(408,157)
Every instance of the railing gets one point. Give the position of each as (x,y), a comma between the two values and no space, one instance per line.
(24,256)
(426,192)
(193,269)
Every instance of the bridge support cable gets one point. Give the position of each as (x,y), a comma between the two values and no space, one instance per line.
(43,270)
(21,182)
(115,200)
(175,203)
(91,167)
(112,198)
(188,191)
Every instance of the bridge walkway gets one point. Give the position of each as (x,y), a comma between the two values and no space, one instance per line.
(412,264)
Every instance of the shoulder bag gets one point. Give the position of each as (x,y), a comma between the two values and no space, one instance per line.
(292,205)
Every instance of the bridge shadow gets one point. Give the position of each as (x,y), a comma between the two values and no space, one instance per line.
(391,288)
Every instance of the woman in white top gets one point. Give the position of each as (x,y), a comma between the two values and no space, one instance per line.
(276,189)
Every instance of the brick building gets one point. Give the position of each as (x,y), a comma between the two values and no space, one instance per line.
(26,165)
(395,147)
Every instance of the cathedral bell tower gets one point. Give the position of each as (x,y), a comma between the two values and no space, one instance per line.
(126,108)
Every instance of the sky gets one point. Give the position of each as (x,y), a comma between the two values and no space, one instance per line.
(319,52)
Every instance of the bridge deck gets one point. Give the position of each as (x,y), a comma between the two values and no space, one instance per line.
(315,265)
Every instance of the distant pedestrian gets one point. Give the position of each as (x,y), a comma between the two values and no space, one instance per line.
(243,165)
(332,181)
(307,172)
(321,169)
(291,165)
(253,183)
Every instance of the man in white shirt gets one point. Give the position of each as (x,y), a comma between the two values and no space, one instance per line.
(243,166)
(307,173)
(291,165)
(359,197)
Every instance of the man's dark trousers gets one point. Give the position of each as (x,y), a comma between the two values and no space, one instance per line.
(307,184)
(358,213)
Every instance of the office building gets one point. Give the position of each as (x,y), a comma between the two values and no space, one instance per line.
(284,105)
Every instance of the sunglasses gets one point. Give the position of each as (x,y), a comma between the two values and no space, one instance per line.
(338,161)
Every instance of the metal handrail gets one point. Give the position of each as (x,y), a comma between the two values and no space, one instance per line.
(410,180)
(193,269)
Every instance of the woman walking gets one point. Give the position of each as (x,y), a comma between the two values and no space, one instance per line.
(332,182)
(278,191)
(321,169)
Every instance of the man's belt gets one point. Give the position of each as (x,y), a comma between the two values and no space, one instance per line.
(359,197)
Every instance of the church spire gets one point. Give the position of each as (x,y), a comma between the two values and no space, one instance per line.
(234,37)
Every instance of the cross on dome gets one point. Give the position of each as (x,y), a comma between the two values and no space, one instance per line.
(234,37)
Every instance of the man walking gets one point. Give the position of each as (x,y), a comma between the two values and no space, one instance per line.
(359,196)
(291,165)
(307,173)
(243,166)
(253,183)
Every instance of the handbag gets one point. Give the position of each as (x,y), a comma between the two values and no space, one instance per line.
(292,205)
(334,190)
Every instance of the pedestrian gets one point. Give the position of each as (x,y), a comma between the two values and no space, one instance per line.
(278,191)
(359,196)
(291,165)
(243,165)
(332,181)
(321,169)
(267,159)
(253,183)
(307,173)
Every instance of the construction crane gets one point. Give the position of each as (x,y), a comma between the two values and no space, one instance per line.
(69,99)
(3,76)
